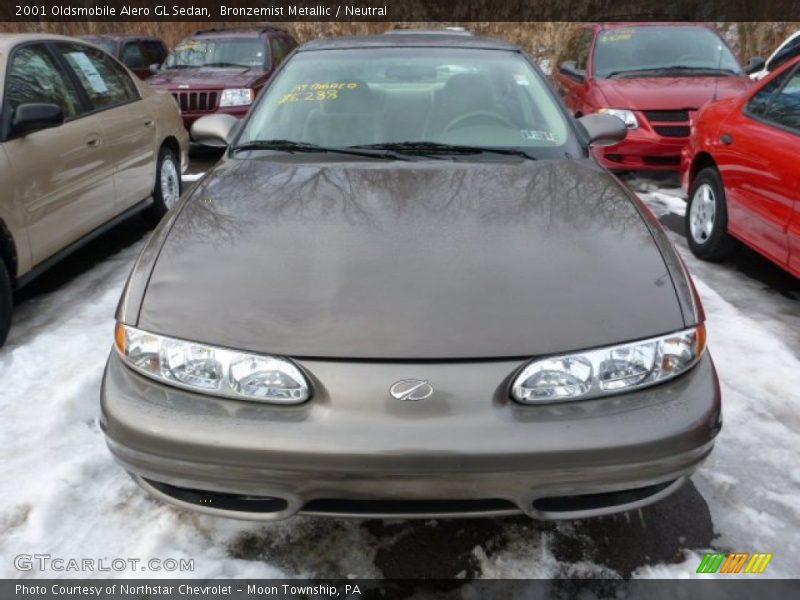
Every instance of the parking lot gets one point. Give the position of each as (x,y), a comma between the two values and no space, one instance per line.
(71,499)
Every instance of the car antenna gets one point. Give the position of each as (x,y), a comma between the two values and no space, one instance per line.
(716,79)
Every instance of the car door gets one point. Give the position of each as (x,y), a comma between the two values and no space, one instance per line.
(63,178)
(129,128)
(573,85)
(757,157)
(784,112)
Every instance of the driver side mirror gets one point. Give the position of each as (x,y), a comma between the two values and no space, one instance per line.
(214,130)
(755,64)
(570,69)
(35,116)
(154,68)
(604,130)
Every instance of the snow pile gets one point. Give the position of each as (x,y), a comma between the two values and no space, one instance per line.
(64,495)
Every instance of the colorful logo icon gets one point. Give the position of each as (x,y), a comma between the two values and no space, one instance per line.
(735,562)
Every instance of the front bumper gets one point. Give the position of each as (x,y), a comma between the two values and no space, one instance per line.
(645,150)
(352,450)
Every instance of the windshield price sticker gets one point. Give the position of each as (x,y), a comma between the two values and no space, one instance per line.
(539,136)
(311,92)
(89,71)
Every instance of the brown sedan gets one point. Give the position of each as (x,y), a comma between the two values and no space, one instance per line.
(407,289)
(83,144)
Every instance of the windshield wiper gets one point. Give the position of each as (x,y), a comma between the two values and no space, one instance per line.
(225,64)
(670,69)
(292,147)
(434,148)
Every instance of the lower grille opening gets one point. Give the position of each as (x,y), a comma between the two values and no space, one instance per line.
(399,507)
(672,130)
(555,504)
(222,501)
(662,160)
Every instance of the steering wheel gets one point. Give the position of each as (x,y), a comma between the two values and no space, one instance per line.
(478,115)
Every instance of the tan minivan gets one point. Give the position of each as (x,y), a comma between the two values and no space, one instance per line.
(85,144)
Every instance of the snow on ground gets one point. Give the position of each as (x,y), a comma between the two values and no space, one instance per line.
(662,199)
(752,479)
(64,495)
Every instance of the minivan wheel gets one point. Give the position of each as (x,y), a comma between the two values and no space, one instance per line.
(6,302)
(167,190)
(707,218)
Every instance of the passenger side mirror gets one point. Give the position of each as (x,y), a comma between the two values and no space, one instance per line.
(604,130)
(756,64)
(35,116)
(154,68)
(214,130)
(570,69)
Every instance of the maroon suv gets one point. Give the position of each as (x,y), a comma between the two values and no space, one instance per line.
(222,70)
(136,52)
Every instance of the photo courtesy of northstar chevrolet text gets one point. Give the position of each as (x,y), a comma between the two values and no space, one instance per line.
(384,303)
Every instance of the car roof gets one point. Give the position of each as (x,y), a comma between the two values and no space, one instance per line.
(117,36)
(400,39)
(237,31)
(626,24)
(9,40)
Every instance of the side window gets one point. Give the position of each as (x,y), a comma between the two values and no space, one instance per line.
(290,44)
(758,104)
(33,76)
(784,110)
(584,45)
(105,82)
(154,53)
(132,56)
(276,50)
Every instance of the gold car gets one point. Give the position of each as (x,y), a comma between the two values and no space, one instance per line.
(85,144)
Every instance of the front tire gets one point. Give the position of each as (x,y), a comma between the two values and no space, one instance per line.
(6,302)
(707,218)
(167,190)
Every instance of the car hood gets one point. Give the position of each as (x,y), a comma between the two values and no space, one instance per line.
(669,93)
(207,78)
(390,260)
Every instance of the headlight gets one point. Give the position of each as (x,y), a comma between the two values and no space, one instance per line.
(610,370)
(627,116)
(212,370)
(236,97)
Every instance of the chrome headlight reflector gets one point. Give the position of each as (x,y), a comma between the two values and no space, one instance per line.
(623,114)
(210,369)
(236,97)
(609,370)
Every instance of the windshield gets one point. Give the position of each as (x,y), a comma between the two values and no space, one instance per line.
(378,96)
(639,49)
(218,52)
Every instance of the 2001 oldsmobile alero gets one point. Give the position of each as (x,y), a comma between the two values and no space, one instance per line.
(408,290)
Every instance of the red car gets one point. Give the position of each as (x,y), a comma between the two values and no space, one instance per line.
(222,70)
(651,75)
(136,52)
(742,172)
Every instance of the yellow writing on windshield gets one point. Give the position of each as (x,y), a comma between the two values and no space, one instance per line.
(314,92)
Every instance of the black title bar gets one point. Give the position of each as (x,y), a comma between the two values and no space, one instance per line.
(399,10)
